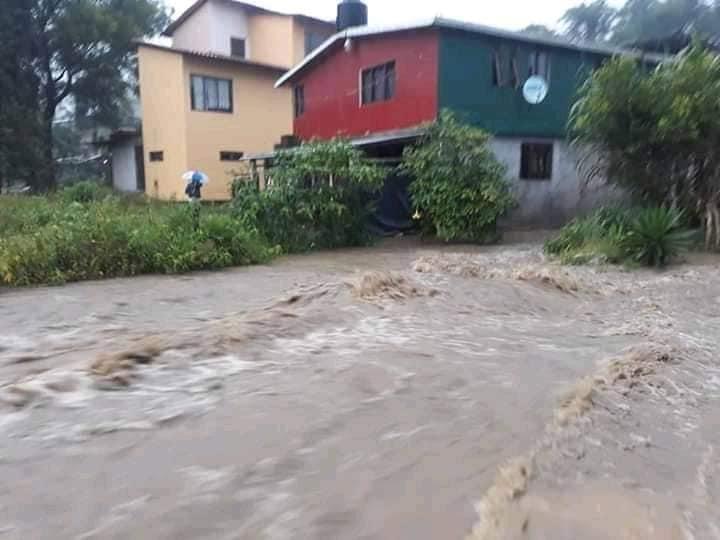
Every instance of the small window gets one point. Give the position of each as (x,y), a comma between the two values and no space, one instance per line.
(378,83)
(312,41)
(237,47)
(211,94)
(299,100)
(536,161)
(504,68)
(497,71)
(230,156)
(157,156)
(539,64)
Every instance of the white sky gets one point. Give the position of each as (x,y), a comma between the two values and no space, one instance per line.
(508,14)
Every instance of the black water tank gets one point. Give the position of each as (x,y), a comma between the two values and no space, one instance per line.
(351,13)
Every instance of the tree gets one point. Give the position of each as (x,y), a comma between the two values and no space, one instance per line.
(643,20)
(19,121)
(539,31)
(589,21)
(459,187)
(84,49)
(658,134)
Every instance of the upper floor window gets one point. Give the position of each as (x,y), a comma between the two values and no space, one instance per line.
(312,41)
(237,47)
(211,94)
(504,68)
(299,100)
(378,83)
(539,64)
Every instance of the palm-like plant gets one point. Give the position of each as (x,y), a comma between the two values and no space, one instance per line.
(657,235)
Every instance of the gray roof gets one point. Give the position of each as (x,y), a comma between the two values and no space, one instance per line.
(209,55)
(395,135)
(451,24)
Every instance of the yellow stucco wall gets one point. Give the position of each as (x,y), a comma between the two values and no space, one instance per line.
(271,40)
(194,139)
(164,114)
(261,114)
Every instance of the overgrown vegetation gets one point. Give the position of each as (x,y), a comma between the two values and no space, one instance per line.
(658,133)
(646,236)
(76,236)
(320,195)
(459,186)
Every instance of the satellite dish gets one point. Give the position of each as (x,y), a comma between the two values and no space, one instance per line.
(535,90)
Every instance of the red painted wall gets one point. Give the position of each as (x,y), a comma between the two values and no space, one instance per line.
(332,87)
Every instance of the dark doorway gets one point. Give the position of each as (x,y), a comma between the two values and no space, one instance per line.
(140,168)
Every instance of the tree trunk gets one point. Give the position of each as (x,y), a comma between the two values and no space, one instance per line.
(47,176)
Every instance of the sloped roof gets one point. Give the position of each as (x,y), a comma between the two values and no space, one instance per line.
(451,24)
(213,56)
(252,8)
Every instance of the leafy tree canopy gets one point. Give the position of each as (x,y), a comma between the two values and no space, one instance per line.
(658,133)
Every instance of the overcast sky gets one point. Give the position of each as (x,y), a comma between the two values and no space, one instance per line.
(509,14)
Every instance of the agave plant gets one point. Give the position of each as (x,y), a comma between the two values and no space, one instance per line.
(657,235)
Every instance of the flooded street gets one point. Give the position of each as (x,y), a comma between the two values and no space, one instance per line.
(403,391)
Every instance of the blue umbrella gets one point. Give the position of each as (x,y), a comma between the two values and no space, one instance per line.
(196,176)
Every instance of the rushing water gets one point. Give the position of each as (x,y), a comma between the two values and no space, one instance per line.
(312,399)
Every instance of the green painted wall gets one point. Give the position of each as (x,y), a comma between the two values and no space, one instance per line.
(466,85)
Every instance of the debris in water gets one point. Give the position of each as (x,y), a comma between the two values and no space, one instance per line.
(119,368)
(376,285)
(551,277)
(522,269)
(494,508)
(627,369)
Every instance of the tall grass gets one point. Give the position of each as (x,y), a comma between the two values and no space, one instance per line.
(91,235)
(647,236)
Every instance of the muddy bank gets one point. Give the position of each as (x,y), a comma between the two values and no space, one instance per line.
(371,395)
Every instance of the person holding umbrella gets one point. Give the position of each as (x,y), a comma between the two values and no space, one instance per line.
(195,181)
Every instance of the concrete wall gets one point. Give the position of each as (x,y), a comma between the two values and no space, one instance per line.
(124,171)
(228,22)
(260,116)
(549,203)
(211,27)
(271,39)
(164,100)
(195,34)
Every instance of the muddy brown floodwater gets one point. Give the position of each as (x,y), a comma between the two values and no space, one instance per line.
(403,391)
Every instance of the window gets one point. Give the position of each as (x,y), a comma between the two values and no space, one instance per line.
(237,47)
(157,156)
(504,68)
(211,94)
(230,156)
(539,64)
(536,161)
(378,83)
(312,41)
(299,100)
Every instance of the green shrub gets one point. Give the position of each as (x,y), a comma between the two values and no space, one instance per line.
(85,192)
(648,236)
(458,186)
(321,196)
(600,235)
(657,235)
(113,238)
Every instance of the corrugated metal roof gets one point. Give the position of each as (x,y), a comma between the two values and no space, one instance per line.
(381,137)
(185,15)
(212,56)
(451,24)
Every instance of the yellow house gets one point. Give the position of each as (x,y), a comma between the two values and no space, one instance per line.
(209,99)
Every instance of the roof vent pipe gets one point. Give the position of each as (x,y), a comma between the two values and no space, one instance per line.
(351,13)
